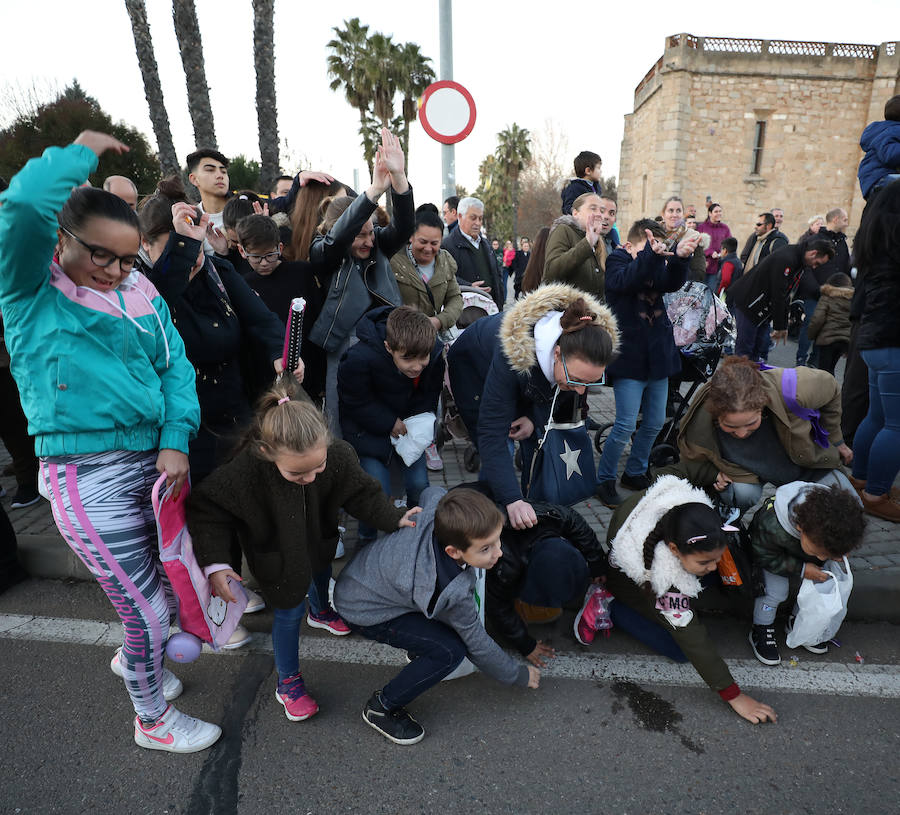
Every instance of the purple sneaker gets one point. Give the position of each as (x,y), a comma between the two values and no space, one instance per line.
(594,615)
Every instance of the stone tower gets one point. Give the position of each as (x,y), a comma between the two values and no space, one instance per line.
(753,124)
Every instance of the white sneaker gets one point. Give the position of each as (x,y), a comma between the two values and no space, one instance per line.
(241,636)
(254,601)
(171,684)
(176,732)
(433,460)
(339,550)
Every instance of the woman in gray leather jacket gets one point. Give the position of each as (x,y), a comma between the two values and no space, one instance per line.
(354,256)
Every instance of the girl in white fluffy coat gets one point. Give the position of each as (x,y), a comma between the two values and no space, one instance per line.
(662,543)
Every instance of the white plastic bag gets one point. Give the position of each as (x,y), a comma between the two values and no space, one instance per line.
(821,606)
(419,434)
(466,667)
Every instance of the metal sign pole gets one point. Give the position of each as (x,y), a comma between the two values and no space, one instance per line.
(448,151)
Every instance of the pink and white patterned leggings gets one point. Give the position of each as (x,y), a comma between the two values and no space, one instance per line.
(102,508)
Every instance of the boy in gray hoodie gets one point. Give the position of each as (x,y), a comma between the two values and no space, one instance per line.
(415,590)
(791,536)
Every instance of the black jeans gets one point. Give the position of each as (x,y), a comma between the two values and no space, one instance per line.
(434,649)
(854,390)
(829,356)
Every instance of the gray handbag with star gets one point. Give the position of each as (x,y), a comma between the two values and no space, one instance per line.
(562,470)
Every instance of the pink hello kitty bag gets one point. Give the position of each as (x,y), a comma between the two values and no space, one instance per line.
(200,613)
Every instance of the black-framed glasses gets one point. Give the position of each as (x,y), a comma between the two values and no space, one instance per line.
(574,382)
(759,224)
(269,257)
(103,257)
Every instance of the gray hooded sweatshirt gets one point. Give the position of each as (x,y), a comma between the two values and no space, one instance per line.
(397,575)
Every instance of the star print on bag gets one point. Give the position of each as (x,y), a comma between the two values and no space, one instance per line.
(570,459)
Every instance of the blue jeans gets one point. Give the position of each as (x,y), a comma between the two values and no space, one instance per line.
(803,341)
(634,396)
(317,593)
(752,340)
(434,649)
(557,573)
(415,478)
(741,495)
(651,633)
(286,639)
(876,445)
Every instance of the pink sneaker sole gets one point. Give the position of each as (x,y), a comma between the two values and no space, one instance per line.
(309,707)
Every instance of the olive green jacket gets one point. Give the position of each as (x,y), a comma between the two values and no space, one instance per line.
(831,320)
(701,459)
(448,302)
(570,259)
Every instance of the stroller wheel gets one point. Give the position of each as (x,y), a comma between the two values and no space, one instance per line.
(601,436)
(471,459)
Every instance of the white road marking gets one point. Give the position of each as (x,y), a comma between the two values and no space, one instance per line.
(807,677)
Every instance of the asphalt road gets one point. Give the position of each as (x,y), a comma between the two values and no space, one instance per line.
(573,746)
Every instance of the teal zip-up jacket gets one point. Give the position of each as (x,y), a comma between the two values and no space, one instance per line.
(96,372)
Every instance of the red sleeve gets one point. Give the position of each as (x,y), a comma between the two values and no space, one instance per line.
(731,692)
(727,271)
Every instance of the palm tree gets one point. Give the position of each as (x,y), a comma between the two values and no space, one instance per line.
(380,67)
(266,109)
(513,154)
(159,118)
(190,44)
(415,74)
(346,68)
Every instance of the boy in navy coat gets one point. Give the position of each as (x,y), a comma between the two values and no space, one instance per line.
(395,371)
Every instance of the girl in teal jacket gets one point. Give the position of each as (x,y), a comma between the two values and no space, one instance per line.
(109,396)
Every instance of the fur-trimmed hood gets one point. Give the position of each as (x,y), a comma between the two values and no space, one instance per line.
(517,328)
(837,291)
(567,220)
(627,548)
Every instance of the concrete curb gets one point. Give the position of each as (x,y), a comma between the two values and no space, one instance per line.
(875,597)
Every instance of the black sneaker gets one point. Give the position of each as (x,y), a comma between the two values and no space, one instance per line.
(762,641)
(635,482)
(25,497)
(396,725)
(818,648)
(606,492)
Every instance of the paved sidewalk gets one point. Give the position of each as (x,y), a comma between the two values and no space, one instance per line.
(876,564)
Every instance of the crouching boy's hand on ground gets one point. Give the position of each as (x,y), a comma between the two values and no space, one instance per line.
(748,708)
(534,677)
(540,651)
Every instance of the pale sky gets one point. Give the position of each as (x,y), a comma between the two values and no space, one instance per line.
(573,64)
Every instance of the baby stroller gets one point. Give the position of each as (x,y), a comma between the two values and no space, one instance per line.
(476,304)
(703,330)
